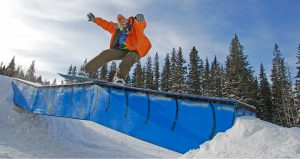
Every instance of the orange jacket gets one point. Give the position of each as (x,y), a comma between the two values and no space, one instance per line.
(136,39)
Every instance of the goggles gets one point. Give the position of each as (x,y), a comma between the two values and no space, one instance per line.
(122,23)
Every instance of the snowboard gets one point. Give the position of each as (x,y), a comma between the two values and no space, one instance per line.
(86,79)
(79,78)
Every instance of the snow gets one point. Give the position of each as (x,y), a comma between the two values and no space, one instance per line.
(251,138)
(32,83)
(27,135)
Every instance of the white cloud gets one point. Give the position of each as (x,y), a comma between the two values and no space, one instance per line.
(56,33)
(70,10)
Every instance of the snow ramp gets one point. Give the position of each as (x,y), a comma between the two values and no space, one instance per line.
(178,122)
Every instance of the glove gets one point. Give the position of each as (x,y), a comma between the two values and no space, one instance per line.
(91,17)
(139,17)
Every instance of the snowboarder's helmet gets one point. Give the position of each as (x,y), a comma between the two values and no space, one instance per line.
(122,21)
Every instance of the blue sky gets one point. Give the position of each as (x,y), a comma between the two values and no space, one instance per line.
(56,33)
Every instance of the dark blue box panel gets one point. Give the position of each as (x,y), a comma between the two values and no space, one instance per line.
(62,101)
(100,104)
(194,124)
(117,109)
(82,100)
(161,120)
(137,114)
(162,111)
(70,102)
(24,95)
(42,101)
(224,116)
(110,108)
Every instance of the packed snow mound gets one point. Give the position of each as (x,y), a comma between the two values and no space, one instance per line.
(27,135)
(251,138)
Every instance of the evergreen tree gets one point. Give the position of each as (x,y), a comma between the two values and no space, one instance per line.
(280,89)
(112,71)
(139,82)
(201,69)
(39,80)
(70,70)
(252,89)
(137,77)
(239,79)
(216,74)
(95,75)
(11,68)
(206,79)
(1,68)
(255,92)
(82,67)
(172,70)
(128,80)
(179,73)
(149,83)
(290,110)
(3,72)
(264,107)
(297,87)
(193,81)
(156,72)
(277,85)
(226,85)
(223,81)
(54,82)
(20,73)
(30,73)
(74,71)
(133,77)
(166,75)
(104,72)
(46,82)
(144,76)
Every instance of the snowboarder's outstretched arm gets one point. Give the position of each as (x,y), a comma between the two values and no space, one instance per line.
(108,26)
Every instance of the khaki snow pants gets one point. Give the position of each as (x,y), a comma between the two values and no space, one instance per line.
(128,59)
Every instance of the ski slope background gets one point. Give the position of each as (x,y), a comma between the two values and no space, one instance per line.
(24,134)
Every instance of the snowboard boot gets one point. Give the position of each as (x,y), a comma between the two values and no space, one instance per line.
(118,80)
(82,73)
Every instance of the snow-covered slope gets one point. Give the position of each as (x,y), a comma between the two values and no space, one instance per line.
(24,134)
(251,138)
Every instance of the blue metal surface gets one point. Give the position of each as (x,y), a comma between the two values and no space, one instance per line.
(224,111)
(171,120)
(24,95)
(136,117)
(194,124)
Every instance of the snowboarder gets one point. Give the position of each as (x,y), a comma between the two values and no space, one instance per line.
(128,43)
